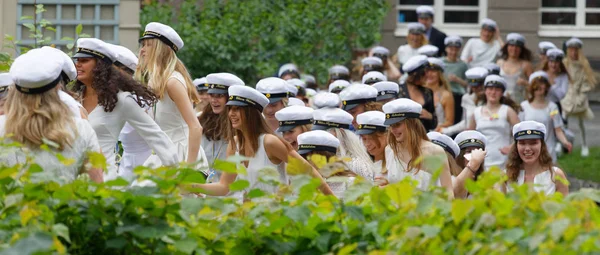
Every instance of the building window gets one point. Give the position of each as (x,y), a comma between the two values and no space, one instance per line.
(456,17)
(566,18)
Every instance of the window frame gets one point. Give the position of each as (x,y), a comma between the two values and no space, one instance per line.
(580,29)
(464,30)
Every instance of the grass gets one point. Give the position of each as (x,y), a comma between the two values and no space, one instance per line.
(582,168)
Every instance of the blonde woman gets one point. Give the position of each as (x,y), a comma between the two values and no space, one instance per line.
(35,114)
(5,82)
(415,39)
(442,93)
(162,71)
(575,103)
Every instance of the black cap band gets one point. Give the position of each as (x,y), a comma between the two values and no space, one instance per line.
(150,34)
(476,81)
(277,95)
(339,76)
(496,84)
(330,124)
(358,101)
(462,144)
(555,58)
(372,127)
(203,86)
(434,66)
(516,42)
(41,89)
(387,92)
(247,101)
(531,133)
(337,89)
(372,67)
(380,55)
(289,71)
(454,44)
(445,146)
(402,115)
(488,27)
(372,80)
(416,31)
(295,122)
(312,147)
(94,53)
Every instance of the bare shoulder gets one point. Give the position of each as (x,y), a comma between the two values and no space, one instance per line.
(429,148)
(272,140)
(560,172)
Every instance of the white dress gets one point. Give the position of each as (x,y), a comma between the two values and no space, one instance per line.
(85,141)
(73,105)
(258,162)
(214,150)
(135,151)
(548,116)
(405,52)
(169,119)
(397,172)
(542,182)
(497,130)
(108,126)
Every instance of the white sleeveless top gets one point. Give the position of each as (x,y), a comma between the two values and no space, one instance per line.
(542,182)
(339,188)
(85,141)
(261,161)
(397,172)
(498,133)
(108,126)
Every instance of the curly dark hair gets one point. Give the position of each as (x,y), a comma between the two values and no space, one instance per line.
(107,82)
(525,53)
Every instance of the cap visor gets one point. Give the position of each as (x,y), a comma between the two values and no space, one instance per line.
(236,103)
(425,15)
(392,121)
(303,151)
(385,97)
(217,91)
(82,55)
(319,127)
(528,137)
(349,107)
(285,128)
(364,132)
(468,145)
(275,100)
(475,84)
(145,37)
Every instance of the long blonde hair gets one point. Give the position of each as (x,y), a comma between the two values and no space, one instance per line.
(416,134)
(443,82)
(158,65)
(32,119)
(589,73)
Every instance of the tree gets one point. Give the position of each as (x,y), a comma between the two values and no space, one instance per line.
(252,38)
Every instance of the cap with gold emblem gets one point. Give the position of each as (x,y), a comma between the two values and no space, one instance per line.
(164,33)
(201,84)
(275,89)
(373,77)
(219,83)
(476,76)
(293,116)
(317,140)
(369,122)
(529,129)
(94,48)
(401,109)
(327,118)
(247,96)
(470,138)
(355,95)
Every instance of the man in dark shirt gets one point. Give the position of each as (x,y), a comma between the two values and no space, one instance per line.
(434,36)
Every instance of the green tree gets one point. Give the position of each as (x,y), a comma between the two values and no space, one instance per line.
(252,38)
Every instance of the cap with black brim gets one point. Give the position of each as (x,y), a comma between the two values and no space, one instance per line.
(88,53)
(217,89)
(324,125)
(445,146)
(475,82)
(529,134)
(385,95)
(393,118)
(471,143)
(274,98)
(365,129)
(162,38)
(288,125)
(242,101)
(307,148)
(351,104)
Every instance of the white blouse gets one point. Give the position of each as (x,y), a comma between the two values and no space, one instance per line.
(542,182)
(108,126)
(397,171)
(85,141)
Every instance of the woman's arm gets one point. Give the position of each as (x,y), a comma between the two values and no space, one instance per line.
(560,186)
(560,134)
(472,124)
(477,157)
(220,188)
(448,105)
(276,149)
(392,72)
(178,94)
(466,53)
(513,118)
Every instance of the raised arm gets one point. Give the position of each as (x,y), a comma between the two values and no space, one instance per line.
(178,94)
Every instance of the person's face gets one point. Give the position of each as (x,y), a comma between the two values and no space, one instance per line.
(84,69)
(374,144)
(288,76)
(513,51)
(432,76)
(145,47)
(398,130)
(235,116)
(414,40)
(573,53)
(426,21)
(217,102)
(203,95)
(292,136)
(529,150)
(540,91)
(452,51)
(486,35)
(554,66)
(478,90)
(356,111)
(493,94)
(271,109)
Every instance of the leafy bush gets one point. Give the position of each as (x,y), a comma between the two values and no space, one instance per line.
(86,218)
(251,38)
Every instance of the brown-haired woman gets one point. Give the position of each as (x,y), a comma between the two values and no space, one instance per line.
(359,98)
(515,66)
(214,120)
(529,160)
(538,108)
(252,138)
(36,116)
(167,76)
(558,76)
(470,159)
(112,99)
(373,134)
(408,140)
(293,121)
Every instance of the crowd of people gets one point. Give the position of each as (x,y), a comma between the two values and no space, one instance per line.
(481,106)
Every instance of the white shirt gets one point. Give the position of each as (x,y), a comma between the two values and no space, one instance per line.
(84,142)
(405,52)
(73,105)
(542,182)
(482,52)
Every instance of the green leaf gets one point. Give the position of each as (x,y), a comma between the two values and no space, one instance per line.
(430,231)
(78,29)
(186,246)
(254,193)
(299,214)
(558,227)
(460,209)
(30,26)
(26,18)
(62,231)
(349,249)
(239,185)
(119,182)
(512,235)
(116,243)
(35,243)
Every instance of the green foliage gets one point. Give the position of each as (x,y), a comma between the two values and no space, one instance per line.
(251,38)
(38,215)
